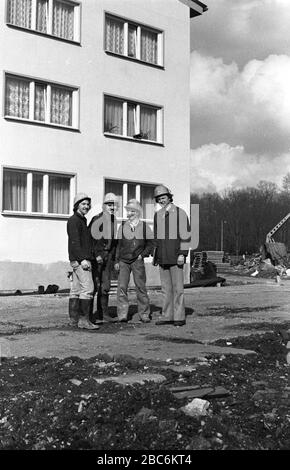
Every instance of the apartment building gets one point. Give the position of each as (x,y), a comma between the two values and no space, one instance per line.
(95,98)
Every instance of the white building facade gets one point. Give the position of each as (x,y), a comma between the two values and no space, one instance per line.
(95,98)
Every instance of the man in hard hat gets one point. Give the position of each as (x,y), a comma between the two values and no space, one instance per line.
(80,256)
(170,222)
(103,228)
(135,242)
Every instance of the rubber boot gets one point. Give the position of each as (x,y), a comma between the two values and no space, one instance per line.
(84,322)
(103,302)
(74,311)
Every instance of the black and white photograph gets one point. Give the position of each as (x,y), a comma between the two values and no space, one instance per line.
(144,229)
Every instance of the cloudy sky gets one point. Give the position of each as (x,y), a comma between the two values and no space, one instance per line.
(240,94)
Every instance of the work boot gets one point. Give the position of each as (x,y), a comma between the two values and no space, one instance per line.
(74,311)
(85,308)
(145,318)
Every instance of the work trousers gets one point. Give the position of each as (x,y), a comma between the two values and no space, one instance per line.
(102,273)
(82,286)
(172,292)
(137,267)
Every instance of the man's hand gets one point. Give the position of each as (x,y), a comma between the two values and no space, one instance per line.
(86,265)
(99,259)
(117,267)
(180,260)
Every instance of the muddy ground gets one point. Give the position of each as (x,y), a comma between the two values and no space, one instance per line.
(52,403)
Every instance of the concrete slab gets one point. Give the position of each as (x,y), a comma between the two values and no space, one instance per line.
(132,379)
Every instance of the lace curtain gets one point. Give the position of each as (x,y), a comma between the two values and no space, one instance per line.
(41,15)
(63,20)
(132,41)
(113,116)
(19,13)
(61,106)
(17,98)
(40,102)
(114,36)
(149,46)
(148,121)
(14,192)
(58,195)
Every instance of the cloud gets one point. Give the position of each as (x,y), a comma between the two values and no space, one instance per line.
(242,30)
(249,106)
(219,167)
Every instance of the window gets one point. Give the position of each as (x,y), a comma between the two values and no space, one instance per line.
(36,192)
(131,119)
(133,40)
(59,18)
(42,102)
(127,190)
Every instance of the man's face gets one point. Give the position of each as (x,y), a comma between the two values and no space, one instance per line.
(132,214)
(163,200)
(110,207)
(84,207)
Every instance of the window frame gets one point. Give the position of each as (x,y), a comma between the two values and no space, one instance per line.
(137,137)
(138,187)
(29,194)
(139,26)
(48,84)
(77,21)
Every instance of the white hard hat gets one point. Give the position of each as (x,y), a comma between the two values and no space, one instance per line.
(110,197)
(79,197)
(162,191)
(134,204)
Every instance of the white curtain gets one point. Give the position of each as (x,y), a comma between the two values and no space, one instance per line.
(19,12)
(42,15)
(63,20)
(17,98)
(114,35)
(58,195)
(148,122)
(132,40)
(61,106)
(149,46)
(131,120)
(113,116)
(37,192)
(14,193)
(40,102)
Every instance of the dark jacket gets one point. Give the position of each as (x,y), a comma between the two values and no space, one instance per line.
(79,239)
(103,230)
(170,227)
(131,244)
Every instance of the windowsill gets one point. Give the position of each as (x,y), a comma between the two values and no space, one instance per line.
(35,215)
(41,123)
(131,139)
(134,59)
(46,35)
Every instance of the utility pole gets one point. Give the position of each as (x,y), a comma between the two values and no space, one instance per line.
(222,235)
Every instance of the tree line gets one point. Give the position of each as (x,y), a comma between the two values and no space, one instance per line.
(238,220)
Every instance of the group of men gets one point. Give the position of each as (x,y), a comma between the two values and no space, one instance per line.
(98,248)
